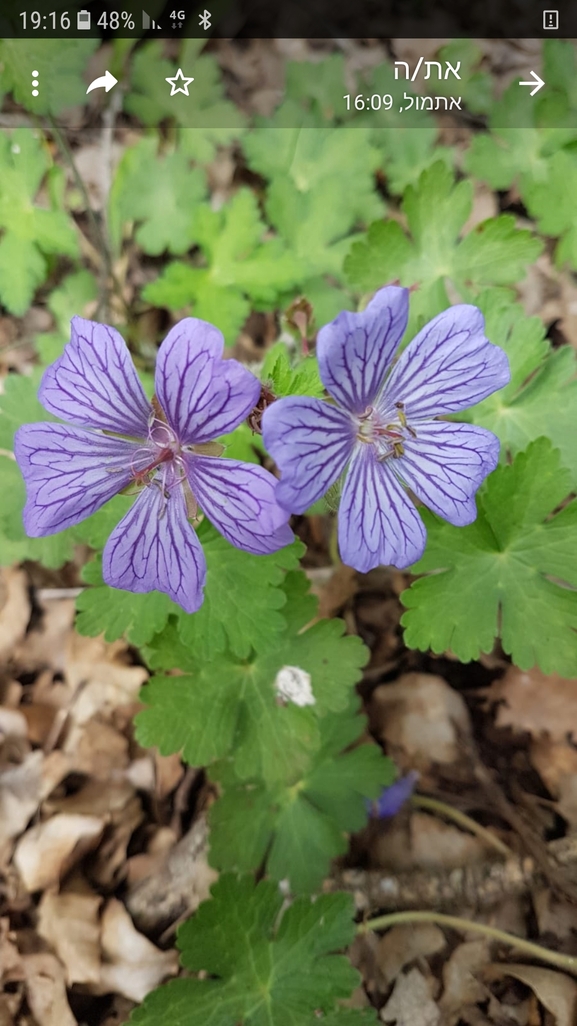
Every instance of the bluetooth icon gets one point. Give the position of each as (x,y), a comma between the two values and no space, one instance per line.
(204,20)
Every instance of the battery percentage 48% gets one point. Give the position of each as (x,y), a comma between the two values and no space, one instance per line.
(113,20)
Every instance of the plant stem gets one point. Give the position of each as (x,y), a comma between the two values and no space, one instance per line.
(566,962)
(442,809)
(100,237)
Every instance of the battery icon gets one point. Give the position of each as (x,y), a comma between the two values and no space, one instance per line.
(83,20)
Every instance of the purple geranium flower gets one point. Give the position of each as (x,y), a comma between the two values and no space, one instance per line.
(381,429)
(165,448)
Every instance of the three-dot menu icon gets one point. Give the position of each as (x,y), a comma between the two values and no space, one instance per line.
(35,83)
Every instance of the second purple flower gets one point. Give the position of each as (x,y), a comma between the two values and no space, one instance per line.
(380,427)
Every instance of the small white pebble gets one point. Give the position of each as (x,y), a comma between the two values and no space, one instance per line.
(294,685)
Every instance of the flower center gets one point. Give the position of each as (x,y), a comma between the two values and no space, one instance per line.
(160,460)
(384,433)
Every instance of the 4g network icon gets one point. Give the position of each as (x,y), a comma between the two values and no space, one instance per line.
(178,17)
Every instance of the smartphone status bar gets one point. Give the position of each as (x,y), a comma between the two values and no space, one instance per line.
(313,19)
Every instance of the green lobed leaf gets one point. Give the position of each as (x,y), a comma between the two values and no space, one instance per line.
(297,827)
(241,269)
(228,703)
(309,199)
(541,399)
(160,193)
(30,232)
(116,613)
(495,252)
(243,602)
(553,204)
(512,573)
(268,967)
(75,296)
(302,378)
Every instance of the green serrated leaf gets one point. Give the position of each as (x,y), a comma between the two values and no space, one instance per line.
(285,379)
(513,572)
(227,618)
(225,701)
(495,252)
(160,193)
(30,232)
(299,826)
(75,296)
(240,267)
(268,967)
(309,200)
(115,613)
(552,203)
(541,399)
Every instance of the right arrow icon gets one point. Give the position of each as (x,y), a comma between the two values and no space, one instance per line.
(537,83)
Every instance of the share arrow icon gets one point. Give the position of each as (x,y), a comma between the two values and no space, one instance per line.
(106,81)
(537,83)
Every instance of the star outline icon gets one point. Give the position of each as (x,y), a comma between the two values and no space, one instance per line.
(183,87)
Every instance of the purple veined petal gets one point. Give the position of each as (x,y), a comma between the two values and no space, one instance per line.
(202,395)
(155,548)
(94,383)
(355,350)
(239,499)
(448,366)
(69,473)
(378,524)
(311,443)
(445,465)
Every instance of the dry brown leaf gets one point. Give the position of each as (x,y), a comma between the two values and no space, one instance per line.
(11,968)
(176,888)
(460,979)
(535,702)
(46,991)
(333,587)
(20,796)
(440,845)
(100,677)
(411,1003)
(45,644)
(12,723)
(555,916)
(39,717)
(98,749)
(554,990)
(132,965)
(48,850)
(420,718)
(70,924)
(404,944)
(14,609)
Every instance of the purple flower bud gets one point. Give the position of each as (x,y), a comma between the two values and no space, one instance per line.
(392,798)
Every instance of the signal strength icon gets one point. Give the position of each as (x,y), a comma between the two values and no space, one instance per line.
(148,22)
